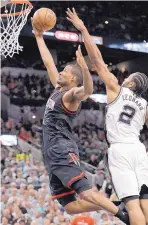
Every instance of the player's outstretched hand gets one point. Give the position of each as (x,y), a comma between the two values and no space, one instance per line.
(37,32)
(80,58)
(74,19)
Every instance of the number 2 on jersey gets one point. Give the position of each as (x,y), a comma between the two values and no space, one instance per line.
(127,115)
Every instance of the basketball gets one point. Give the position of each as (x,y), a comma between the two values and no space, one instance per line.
(44,19)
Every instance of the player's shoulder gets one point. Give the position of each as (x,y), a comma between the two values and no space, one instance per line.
(145,103)
(126,90)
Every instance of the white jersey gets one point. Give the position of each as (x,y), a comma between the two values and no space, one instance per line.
(125,117)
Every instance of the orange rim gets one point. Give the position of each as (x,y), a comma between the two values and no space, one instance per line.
(18,13)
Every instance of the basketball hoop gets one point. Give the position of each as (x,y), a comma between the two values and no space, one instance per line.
(11,24)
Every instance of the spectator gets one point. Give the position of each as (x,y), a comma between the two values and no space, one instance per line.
(32,179)
(13,192)
(4,221)
(4,200)
(34,223)
(20,178)
(93,160)
(13,185)
(7,214)
(38,218)
(99,179)
(8,172)
(29,168)
(44,177)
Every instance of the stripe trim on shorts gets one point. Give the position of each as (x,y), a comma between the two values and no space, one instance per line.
(63,194)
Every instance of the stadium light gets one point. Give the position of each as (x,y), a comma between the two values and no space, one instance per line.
(66,36)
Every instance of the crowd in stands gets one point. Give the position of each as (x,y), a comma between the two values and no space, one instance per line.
(26,197)
(39,88)
(121,20)
(33,87)
(91,141)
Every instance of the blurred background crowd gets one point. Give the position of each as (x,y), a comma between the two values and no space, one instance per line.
(25,88)
(25,192)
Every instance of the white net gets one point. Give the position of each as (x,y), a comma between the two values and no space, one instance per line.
(11,26)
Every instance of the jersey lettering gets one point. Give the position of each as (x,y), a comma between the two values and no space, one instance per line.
(127,115)
(50,104)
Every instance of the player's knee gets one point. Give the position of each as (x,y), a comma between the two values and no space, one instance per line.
(69,209)
(87,195)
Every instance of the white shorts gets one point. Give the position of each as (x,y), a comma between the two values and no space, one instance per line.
(128,165)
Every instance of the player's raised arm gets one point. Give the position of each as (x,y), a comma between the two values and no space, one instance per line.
(81,93)
(46,56)
(93,52)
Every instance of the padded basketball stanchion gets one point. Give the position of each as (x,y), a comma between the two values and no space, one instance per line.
(11,24)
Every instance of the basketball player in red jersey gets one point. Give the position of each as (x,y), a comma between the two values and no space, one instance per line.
(60,152)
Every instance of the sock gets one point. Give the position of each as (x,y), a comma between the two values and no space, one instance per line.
(123,216)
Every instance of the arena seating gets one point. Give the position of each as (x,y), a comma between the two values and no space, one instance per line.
(26,194)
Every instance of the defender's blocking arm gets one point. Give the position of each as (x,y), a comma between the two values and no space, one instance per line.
(93,52)
(46,56)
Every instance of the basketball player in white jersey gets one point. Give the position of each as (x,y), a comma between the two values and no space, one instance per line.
(126,114)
